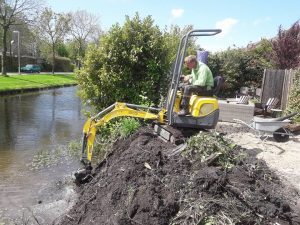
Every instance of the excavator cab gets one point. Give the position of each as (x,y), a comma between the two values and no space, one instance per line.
(204,110)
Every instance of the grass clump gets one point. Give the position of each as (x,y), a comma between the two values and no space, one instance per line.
(128,126)
(120,128)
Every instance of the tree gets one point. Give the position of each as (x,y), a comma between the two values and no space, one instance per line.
(14,12)
(52,28)
(261,54)
(130,65)
(172,38)
(84,28)
(62,50)
(287,47)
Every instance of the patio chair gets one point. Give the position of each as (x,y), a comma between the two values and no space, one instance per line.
(266,109)
(244,100)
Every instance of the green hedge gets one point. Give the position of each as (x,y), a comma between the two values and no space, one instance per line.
(62,64)
(242,66)
(294,99)
(12,62)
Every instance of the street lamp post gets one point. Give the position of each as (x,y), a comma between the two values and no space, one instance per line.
(19,57)
(10,52)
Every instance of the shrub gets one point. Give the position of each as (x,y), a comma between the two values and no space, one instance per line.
(242,66)
(62,64)
(294,99)
(128,126)
(130,64)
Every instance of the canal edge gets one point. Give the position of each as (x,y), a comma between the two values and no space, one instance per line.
(27,90)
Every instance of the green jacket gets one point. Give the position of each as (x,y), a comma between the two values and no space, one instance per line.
(202,76)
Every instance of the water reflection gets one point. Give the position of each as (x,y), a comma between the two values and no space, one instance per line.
(30,123)
(31,120)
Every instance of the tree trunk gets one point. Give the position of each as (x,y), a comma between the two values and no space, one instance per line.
(4,58)
(53,58)
(80,55)
(10,57)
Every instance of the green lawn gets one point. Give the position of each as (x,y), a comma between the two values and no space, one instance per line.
(22,82)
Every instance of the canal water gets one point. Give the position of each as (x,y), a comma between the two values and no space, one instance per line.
(36,163)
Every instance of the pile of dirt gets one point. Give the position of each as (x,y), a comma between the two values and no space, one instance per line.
(141,182)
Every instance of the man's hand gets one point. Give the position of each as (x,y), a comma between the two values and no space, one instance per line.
(185,78)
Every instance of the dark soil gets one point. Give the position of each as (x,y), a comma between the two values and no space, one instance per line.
(125,190)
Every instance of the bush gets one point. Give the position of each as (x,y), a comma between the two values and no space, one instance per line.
(12,62)
(294,99)
(129,65)
(62,64)
(128,126)
(242,67)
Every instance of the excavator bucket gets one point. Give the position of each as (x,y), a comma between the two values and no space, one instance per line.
(89,134)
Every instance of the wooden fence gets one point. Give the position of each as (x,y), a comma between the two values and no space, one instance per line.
(277,83)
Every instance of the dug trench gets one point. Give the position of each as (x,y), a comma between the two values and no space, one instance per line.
(144,181)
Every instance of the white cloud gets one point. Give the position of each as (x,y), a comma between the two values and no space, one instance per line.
(226,25)
(259,21)
(176,13)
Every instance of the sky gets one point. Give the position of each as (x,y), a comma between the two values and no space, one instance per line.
(242,21)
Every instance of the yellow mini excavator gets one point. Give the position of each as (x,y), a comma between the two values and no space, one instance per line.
(204,111)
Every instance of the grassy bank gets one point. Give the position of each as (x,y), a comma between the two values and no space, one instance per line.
(24,82)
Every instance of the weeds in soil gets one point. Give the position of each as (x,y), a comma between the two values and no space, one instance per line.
(128,126)
(205,144)
(120,128)
(199,212)
(210,210)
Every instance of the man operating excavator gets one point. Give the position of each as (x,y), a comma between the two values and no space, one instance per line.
(200,81)
(204,110)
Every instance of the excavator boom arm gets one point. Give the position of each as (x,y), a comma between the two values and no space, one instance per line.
(114,111)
